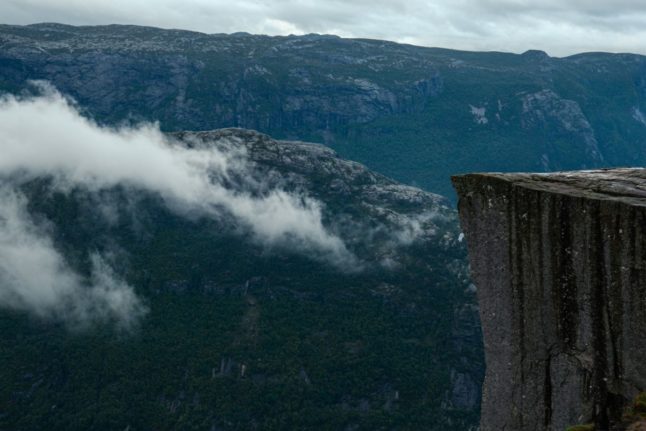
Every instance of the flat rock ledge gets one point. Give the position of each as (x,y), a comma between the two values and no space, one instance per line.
(559,261)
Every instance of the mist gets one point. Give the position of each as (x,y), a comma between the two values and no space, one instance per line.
(34,276)
(46,136)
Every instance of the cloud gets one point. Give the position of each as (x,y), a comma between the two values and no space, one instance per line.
(34,276)
(46,136)
(560,27)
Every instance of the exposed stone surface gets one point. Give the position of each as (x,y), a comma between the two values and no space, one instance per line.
(546,109)
(559,261)
(406,213)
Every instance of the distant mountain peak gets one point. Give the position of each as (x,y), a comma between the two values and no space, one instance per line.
(536,53)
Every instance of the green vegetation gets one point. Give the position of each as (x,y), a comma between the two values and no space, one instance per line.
(636,411)
(633,415)
(239,337)
(639,404)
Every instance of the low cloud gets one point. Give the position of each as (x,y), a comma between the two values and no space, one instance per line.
(45,136)
(34,277)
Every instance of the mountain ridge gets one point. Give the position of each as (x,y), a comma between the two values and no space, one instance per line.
(416,114)
(533,52)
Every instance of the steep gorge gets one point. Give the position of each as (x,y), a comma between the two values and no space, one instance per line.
(559,261)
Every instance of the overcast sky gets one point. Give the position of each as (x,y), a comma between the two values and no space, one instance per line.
(560,27)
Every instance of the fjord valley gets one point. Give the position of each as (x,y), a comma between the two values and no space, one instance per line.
(243,232)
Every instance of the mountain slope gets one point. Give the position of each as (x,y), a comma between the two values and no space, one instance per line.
(244,335)
(416,114)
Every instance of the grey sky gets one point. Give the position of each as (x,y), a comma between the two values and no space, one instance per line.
(560,27)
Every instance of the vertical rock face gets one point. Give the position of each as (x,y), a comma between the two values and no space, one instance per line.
(560,265)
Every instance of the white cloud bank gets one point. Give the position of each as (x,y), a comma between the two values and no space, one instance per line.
(46,136)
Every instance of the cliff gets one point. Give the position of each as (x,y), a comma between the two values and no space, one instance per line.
(559,261)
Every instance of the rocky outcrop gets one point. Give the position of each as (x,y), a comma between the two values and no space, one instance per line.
(559,261)
(399,214)
(545,110)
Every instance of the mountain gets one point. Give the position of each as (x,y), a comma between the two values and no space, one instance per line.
(415,114)
(241,333)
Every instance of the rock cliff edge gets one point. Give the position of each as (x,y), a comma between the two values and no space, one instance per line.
(559,261)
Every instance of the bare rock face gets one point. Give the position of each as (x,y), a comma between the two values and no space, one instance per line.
(559,261)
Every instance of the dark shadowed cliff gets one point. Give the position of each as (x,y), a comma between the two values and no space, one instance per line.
(559,261)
